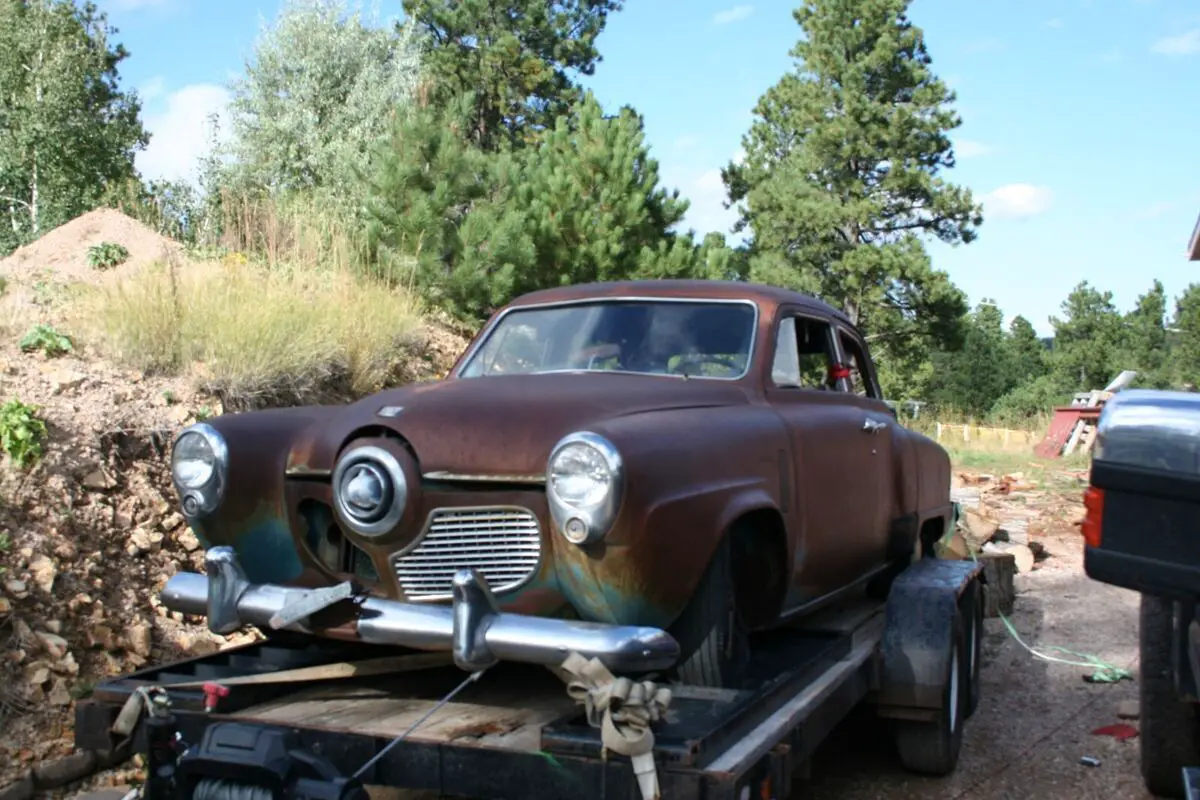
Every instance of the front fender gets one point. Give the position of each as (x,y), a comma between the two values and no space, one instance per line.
(650,579)
(252,516)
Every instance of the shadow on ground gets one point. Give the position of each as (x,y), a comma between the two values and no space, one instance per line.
(1035,718)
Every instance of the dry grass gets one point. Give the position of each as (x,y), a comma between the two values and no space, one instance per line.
(253,335)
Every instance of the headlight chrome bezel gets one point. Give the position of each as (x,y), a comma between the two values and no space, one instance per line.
(586,524)
(197,501)
(394,497)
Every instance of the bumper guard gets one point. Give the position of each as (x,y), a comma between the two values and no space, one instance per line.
(473,627)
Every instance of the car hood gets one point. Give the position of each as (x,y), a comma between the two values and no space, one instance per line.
(507,424)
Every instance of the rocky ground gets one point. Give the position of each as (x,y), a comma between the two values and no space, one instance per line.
(90,533)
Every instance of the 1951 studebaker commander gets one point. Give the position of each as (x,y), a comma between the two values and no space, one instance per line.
(643,472)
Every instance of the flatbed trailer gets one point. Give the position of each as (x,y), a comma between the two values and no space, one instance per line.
(515,732)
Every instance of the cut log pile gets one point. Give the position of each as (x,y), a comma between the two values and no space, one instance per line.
(1000,540)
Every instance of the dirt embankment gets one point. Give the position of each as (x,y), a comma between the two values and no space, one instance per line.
(90,532)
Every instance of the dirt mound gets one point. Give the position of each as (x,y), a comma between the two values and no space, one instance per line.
(63,252)
(90,532)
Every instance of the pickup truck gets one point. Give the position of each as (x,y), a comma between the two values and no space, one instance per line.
(1142,531)
(642,472)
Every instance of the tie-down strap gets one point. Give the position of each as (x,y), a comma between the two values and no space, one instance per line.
(623,710)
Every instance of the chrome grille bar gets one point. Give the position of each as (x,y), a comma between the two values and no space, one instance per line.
(503,544)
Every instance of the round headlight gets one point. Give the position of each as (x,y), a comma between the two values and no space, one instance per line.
(199,464)
(370,491)
(583,481)
(193,460)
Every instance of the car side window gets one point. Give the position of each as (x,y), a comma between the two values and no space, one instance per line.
(803,354)
(860,379)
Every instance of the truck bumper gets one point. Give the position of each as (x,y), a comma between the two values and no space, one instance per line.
(472,628)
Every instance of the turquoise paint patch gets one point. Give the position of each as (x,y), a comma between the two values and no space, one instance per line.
(601,602)
(268,553)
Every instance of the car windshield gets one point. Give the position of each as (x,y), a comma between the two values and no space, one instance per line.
(707,339)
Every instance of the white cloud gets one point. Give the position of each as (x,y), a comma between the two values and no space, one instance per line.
(969,148)
(1017,201)
(732,14)
(1182,45)
(1053,23)
(179,131)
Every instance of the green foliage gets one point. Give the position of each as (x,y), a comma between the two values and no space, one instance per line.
(21,432)
(515,57)
(1088,339)
(1185,351)
(47,339)
(107,255)
(581,204)
(324,85)
(69,131)
(841,176)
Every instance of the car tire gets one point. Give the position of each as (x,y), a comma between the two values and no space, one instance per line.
(972,608)
(1170,729)
(932,748)
(714,647)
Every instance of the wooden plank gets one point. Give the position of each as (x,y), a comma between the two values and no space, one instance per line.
(510,718)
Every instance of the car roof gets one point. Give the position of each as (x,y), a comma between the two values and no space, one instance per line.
(759,293)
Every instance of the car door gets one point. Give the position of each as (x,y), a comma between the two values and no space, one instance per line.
(878,485)
(829,455)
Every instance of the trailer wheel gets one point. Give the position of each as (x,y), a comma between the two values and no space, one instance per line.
(713,641)
(931,748)
(1170,728)
(972,606)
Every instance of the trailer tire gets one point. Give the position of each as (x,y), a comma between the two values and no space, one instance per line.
(713,640)
(932,748)
(1170,728)
(972,605)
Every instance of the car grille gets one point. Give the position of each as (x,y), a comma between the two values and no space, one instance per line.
(502,544)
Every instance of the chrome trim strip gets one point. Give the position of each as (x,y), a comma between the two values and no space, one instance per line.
(464,477)
(472,628)
(303,471)
(487,332)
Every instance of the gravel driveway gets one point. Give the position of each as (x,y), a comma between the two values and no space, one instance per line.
(1035,720)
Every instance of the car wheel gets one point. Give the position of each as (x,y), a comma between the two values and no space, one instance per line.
(972,610)
(714,647)
(1170,728)
(932,748)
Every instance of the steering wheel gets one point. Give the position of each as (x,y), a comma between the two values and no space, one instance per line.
(697,359)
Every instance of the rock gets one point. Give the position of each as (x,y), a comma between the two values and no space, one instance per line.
(1021,554)
(54,645)
(59,694)
(54,626)
(66,381)
(37,673)
(44,571)
(5,605)
(188,540)
(67,666)
(172,521)
(139,542)
(999,591)
(66,551)
(101,637)
(1129,709)
(17,589)
(98,480)
(138,639)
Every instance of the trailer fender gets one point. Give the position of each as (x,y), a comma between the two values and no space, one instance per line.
(918,635)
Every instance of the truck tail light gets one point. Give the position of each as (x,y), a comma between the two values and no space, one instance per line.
(1093,504)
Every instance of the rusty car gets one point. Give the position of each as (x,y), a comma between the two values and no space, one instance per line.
(645,472)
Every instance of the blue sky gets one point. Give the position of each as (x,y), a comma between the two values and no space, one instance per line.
(1081,119)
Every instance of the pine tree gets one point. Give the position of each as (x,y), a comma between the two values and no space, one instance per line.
(1146,339)
(516,57)
(841,177)
(1088,339)
(68,132)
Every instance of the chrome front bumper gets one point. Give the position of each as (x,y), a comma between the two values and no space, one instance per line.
(472,627)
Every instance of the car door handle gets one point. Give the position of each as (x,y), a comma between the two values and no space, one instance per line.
(873,426)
